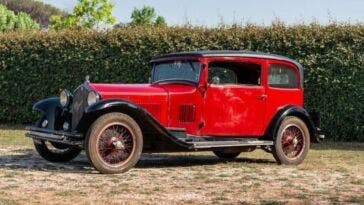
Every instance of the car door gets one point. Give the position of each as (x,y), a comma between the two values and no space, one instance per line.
(235,99)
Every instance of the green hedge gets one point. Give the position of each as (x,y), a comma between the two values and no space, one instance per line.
(34,65)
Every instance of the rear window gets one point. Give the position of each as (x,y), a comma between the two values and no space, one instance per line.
(282,76)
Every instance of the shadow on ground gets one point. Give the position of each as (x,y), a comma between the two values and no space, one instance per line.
(29,159)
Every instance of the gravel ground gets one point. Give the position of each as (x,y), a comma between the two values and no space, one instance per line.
(331,174)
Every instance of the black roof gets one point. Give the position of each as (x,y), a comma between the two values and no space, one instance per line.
(226,53)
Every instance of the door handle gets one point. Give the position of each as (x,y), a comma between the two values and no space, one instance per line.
(263,97)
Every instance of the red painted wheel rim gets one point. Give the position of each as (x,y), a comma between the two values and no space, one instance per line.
(293,141)
(115,144)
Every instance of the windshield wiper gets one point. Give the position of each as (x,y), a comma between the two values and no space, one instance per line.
(175,81)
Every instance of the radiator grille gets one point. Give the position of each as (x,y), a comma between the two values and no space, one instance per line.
(79,104)
(187,113)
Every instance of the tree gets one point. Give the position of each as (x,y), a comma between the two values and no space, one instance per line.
(39,11)
(146,16)
(9,21)
(87,14)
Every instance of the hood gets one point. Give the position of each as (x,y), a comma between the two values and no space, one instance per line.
(137,93)
(129,91)
(151,97)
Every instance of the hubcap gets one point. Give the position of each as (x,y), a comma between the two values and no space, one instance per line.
(115,144)
(292,141)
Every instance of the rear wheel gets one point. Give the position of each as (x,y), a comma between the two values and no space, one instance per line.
(114,143)
(55,152)
(292,142)
(226,155)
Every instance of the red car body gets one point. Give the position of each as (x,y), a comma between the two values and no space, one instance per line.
(238,110)
(224,101)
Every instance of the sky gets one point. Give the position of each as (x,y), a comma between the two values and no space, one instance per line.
(213,12)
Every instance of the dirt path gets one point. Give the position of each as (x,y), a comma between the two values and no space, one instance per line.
(328,176)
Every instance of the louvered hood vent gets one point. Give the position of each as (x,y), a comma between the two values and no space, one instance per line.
(187,113)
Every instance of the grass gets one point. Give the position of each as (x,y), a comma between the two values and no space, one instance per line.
(4,201)
(331,174)
(13,135)
(271,202)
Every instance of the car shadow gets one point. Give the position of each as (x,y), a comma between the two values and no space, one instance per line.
(28,159)
(169,160)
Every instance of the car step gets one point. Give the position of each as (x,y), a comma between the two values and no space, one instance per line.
(232,143)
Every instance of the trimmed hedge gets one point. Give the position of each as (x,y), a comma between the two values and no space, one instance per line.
(34,65)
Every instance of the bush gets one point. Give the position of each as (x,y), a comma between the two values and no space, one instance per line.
(9,21)
(38,10)
(39,64)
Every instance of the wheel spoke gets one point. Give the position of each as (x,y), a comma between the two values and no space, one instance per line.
(115,144)
(292,141)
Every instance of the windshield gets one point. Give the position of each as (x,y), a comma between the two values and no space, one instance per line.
(177,71)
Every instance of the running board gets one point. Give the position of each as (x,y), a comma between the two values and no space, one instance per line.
(232,143)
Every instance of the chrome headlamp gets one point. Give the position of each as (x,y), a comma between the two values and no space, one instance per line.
(65,98)
(92,98)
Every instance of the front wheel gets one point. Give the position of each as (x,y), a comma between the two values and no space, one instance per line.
(292,141)
(114,143)
(54,152)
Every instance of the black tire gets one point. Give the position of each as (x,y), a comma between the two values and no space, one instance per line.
(226,155)
(114,143)
(292,141)
(55,152)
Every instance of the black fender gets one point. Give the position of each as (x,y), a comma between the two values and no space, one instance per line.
(48,107)
(152,130)
(296,111)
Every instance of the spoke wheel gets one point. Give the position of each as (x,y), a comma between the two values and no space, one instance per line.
(292,141)
(114,143)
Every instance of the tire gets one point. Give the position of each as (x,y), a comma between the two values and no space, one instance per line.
(226,155)
(292,141)
(114,143)
(55,152)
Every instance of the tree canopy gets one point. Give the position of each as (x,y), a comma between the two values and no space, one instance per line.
(39,11)
(9,21)
(146,16)
(86,14)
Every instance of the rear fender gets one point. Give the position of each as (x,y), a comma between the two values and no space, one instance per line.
(49,107)
(292,110)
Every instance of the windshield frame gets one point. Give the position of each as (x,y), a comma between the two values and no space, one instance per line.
(176,80)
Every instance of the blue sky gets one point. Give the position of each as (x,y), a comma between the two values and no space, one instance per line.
(212,12)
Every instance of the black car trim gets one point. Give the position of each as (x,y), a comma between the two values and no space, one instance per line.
(292,110)
(48,106)
(54,135)
(142,116)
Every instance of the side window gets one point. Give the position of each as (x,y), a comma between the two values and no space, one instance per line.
(281,76)
(235,73)
(219,75)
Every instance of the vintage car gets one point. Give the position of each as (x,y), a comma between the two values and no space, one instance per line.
(227,102)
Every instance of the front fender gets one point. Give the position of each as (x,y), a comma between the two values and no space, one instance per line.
(48,107)
(292,110)
(150,126)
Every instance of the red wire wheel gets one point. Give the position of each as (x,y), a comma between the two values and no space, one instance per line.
(292,141)
(114,143)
